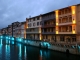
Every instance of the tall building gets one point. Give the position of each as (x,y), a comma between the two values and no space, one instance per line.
(48,26)
(34,28)
(67,24)
(62,25)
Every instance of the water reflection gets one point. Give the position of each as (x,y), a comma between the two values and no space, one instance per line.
(25,54)
(7,52)
(22,52)
(0,51)
(1,41)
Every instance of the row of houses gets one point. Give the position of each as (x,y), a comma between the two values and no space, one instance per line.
(62,25)
(16,29)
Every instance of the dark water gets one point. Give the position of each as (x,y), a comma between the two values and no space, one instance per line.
(22,52)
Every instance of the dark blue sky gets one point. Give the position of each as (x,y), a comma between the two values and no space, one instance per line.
(19,10)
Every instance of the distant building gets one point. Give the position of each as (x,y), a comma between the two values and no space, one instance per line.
(9,30)
(16,26)
(34,28)
(23,30)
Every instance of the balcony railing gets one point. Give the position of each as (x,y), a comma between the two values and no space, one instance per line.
(51,25)
(65,32)
(65,14)
(32,32)
(48,18)
(66,23)
(48,32)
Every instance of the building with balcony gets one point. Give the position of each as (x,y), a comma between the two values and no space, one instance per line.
(67,24)
(48,26)
(62,25)
(33,30)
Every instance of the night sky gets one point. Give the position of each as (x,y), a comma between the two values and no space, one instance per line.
(19,10)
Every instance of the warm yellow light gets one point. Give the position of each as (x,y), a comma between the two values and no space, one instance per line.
(73,32)
(56,24)
(74,21)
(27,26)
(56,13)
(40,37)
(39,30)
(56,32)
(73,9)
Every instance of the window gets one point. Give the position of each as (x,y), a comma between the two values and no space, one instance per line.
(33,19)
(38,18)
(33,24)
(37,23)
(61,38)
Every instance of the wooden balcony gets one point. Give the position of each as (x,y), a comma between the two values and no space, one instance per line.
(66,23)
(65,14)
(46,26)
(65,32)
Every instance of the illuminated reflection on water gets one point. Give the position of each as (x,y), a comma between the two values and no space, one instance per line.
(9,51)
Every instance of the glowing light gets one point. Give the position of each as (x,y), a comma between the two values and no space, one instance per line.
(6,37)
(7,52)
(56,13)
(56,21)
(1,41)
(73,9)
(25,41)
(1,36)
(73,32)
(19,39)
(20,54)
(46,43)
(56,24)
(39,29)
(74,21)
(40,37)
(56,32)
(25,52)
(12,42)
(27,26)
(12,38)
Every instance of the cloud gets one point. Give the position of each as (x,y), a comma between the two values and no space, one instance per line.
(19,10)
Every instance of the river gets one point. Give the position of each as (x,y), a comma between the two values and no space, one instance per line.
(24,52)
